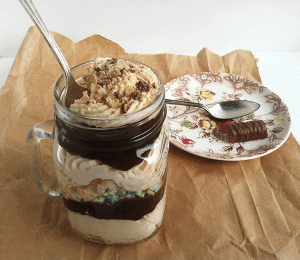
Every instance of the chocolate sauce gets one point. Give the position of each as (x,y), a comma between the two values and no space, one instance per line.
(126,209)
(121,148)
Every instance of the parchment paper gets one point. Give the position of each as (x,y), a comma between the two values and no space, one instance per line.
(215,210)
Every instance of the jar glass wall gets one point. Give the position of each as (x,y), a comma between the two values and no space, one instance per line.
(112,171)
(111,206)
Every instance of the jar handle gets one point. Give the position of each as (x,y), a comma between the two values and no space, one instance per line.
(37,133)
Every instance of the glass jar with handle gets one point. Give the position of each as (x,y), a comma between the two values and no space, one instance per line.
(110,172)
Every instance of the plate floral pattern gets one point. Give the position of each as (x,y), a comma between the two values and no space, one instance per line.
(191,129)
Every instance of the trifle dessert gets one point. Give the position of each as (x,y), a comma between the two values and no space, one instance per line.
(110,153)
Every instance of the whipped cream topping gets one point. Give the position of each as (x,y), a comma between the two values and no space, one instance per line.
(82,171)
(117,87)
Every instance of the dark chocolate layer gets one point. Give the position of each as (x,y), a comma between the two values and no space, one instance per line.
(126,209)
(121,148)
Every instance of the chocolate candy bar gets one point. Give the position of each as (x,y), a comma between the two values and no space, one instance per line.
(233,132)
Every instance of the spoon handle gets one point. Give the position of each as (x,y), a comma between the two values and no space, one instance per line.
(34,15)
(183,103)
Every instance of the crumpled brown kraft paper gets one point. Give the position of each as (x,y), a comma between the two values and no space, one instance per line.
(215,209)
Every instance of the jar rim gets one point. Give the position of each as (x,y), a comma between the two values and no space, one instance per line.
(58,103)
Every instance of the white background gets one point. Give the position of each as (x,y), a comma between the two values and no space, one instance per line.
(268,28)
(159,26)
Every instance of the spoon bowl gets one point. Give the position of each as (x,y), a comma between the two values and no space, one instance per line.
(224,109)
(74,90)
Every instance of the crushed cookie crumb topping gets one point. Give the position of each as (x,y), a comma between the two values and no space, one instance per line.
(137,95)
(117,85)
(143,86)
(118,95)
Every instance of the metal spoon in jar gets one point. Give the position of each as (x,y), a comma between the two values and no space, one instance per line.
(224,109)
(73,91)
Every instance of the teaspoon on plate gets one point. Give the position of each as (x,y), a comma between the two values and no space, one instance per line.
(222,110)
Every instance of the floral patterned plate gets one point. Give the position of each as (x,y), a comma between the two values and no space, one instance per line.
(191,129)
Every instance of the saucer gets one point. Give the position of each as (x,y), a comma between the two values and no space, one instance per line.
(191,129)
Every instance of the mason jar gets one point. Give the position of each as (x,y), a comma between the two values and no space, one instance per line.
(110,172)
